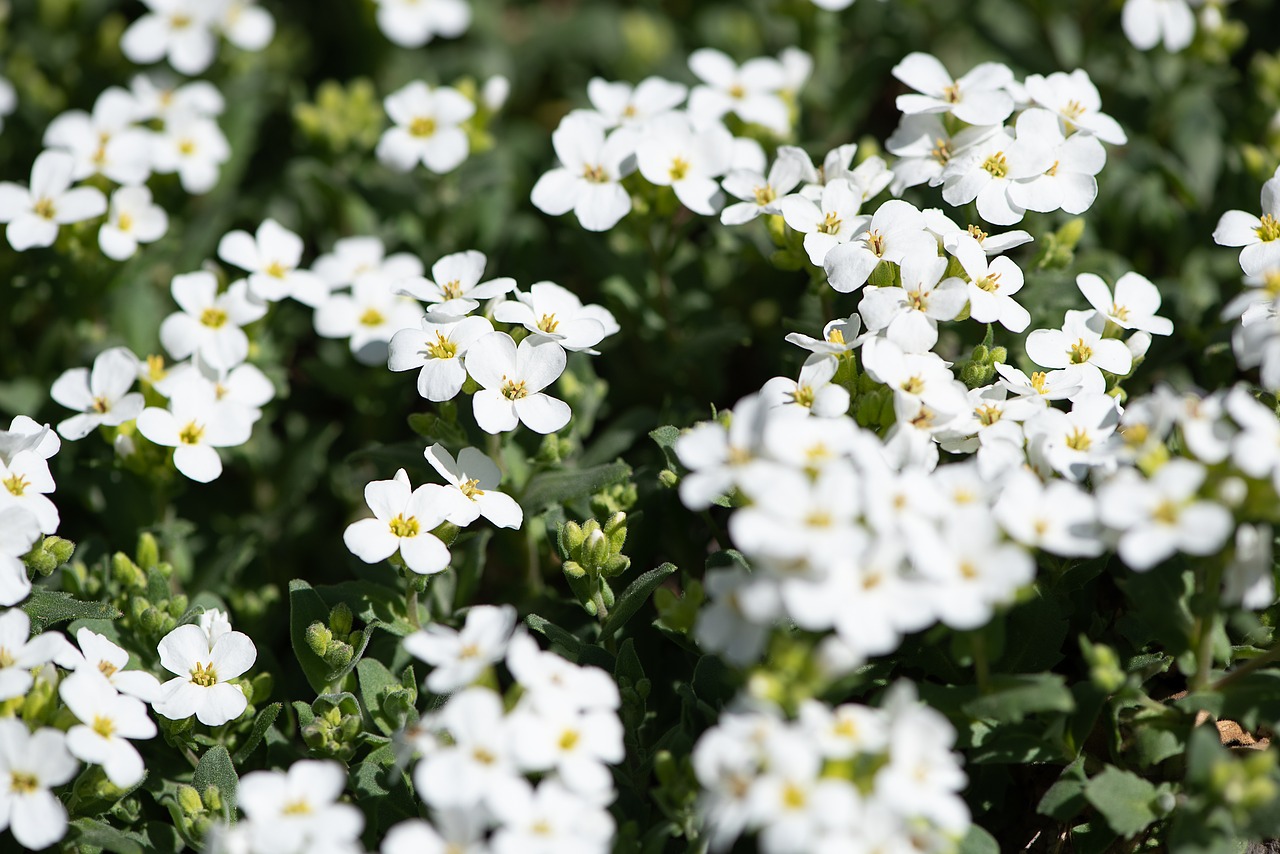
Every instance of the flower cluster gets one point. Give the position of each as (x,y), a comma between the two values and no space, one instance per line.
(848,778)
(27,515)
(691,150)
(185,32)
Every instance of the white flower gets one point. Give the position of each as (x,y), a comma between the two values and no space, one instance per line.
(20,653)
(812,393)
(1071,443)
(826,225)
(760,194)
(924,147)
(751,92)
(1160,516)
(737,621)
(839,336)
(1149,22)
(105,142)
(353,256)
(369,316)
(896,230)
(473,768)
(1260,237)
(455,287)
(1058,517)
(577,746)
(1134,306)
(101,395)
(32,763)
(554,312)
(108,722)
(19,531)
(716,455)
(34,215)
(298,810)
(1068,184)
(459,831)
(413,23)
(403,521)
(181,30)
(214,623)
(246,25)
(195,425)
(1076,101)
(992,285)
(513,379)
(671,152)
(161,98)
(1080,342)
(986,171)
(552,683)
(203,671)
(548,820)
(972,568)
(426,128)
(909,315)
(193,146)
(1051,385)
(458,658)
(100,655)
(588,180)
(622,104)
(131,219)
(209,324)
(476,477)
(437,350)
(978,98)
(272,257)
(1248,580)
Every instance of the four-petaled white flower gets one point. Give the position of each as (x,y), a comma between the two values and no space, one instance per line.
(455,287)
(20,654)
(1080,342)
(35,214)
(298,810)
(477,478)
(210,324)
(181,30)
(588,180)
(272,257)
(1134,305)
(101,395)
(1147,23)
(403,519)
(980,97)
(413,23)
(108,722)
(201,685)
(426,128)
(1260,236)
(132,218)
(554,312)
(99,654)
(195,425)
(32,763)
(437,350)
(513,379)
(458,658)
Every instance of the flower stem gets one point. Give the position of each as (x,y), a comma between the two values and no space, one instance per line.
(411,606)
(1255,663)
(1205,623)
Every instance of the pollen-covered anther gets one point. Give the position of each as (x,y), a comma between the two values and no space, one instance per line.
(402,527)
(1080,352)
(997,165)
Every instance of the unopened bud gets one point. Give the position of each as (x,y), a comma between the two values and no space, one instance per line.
(338,655)
(212,799)
(319,638)
(148,550)
(595,551)
(189,800)
(668,478)
(340,619)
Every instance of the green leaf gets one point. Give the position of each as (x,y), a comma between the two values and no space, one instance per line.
(1249,700)
(98,834)
(376,682)
(1012,698)
(1065,798)
(46,607)
(305,608)
(666,438)
(1123,798)
(573,648)
(216,769)
(978,841)
(634,597)
(261,724)
(557,487)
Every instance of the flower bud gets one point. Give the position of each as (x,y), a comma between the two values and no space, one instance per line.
(189,800)
(148,550)
(340,619)
(338,655)
(595,551)
(212,799)
(668,478)
(319,638)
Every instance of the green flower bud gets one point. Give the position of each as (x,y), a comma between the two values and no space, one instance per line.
(262,685)
(126,573)
(151,621)
(615,565)
(338,655)
(148,550)
(446,532)
(212,799)
(595,551)
(319,638)
(178,605)
(668,478)
(189,800)
(340,619)
(571,537)
(999,355)
(573,569)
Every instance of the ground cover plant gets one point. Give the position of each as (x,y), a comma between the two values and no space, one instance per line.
(781,426)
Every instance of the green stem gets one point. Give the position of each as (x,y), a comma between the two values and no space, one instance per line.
(411,606)
(1255,663)
(1210,581)
(981,667)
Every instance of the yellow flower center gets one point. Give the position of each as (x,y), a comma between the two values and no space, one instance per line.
(100,405)
(124,222)
(276,270)
(204,675)
(16,484)
(471,488)
(941,151)
(737,91)
(793,797)
(765,195)
(1052,171)
(372,317)
(191,434)
(952,93)
(819,519)
(1271,282)
(214,318)
(179,22)
(1073,110)
(187,147)
(1078,440)
(595,174)
(44,208)
(1269,229)
(6,658)
(514,389)
(422,127)
(1080,352)
(803,395)
(913,385)
(402,527)
(875,242)
(483,756)
(835,336)
(968,571)
(679,169)
(1038,382)
(107,669)
(988,414)
(22,783)
(548,323)
(997,165)
(1166,513)
(1120,312)
(104,727)
(977,233)
(298,807)
(452,289)
(919,300)
(156,370)
(569,738)
(989,283)
(442,348)
(830,223)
